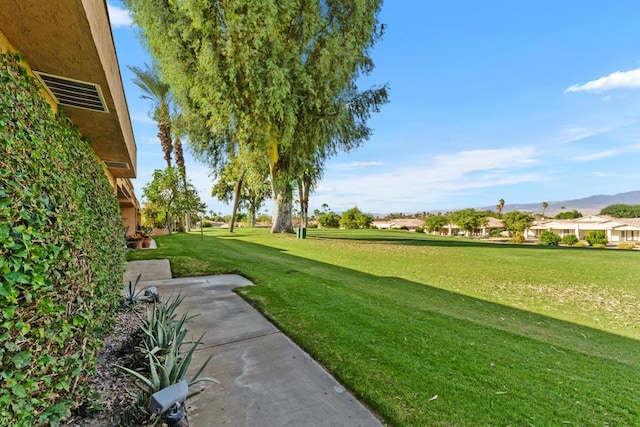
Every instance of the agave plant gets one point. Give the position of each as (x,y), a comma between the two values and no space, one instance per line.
(162,327)
(163,336)
(165,371)
(133,296)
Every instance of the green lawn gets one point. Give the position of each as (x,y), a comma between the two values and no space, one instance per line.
(441,331)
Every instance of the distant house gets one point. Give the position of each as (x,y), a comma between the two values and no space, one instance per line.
(616,229)
(454,229)
(399,223)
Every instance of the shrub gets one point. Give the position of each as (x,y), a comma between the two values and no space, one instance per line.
(354,218)
(569,239)
(419,229)
(550,238)
(621,210)
(625,246)
(496,232)
(61,255)
(329,220)
(206,224)
(599,245)
(596,237)
(569,215)
(580,244)
(519,238)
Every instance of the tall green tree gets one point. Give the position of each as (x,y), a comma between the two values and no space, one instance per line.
(228,187)
(434,222)
(355,218)
(517,222)
(621,210)
(243,182)
(569,215)
(277,77)
(469,220)
(545,205)
(329,219)
(171,205)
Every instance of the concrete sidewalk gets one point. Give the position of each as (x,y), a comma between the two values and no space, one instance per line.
(266,379)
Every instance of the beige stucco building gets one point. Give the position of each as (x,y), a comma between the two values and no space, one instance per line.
(616,229)
(69,47)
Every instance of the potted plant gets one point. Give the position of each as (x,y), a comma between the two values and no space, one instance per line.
(146,241)
(137,241)
(134,242)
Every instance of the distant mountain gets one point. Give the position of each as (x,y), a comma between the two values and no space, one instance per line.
(587,206)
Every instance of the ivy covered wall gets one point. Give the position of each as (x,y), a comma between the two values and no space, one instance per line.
(61,255)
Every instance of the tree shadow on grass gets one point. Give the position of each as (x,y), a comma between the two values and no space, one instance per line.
(392,325)
(260,263)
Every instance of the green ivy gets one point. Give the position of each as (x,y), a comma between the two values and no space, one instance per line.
(61,255)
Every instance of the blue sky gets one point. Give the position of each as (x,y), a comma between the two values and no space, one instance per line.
(527,101)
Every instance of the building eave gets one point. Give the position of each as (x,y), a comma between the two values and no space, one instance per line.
(72,39)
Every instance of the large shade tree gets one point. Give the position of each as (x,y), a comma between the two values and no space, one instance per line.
(517,222)
(252,72)
(469,220)
(435,223)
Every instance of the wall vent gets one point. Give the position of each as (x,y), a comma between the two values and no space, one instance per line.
(74,93)
(116,165)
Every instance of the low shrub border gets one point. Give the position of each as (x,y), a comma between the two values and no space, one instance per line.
(61,255)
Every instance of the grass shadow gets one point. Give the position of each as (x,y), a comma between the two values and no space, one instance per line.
(397,343)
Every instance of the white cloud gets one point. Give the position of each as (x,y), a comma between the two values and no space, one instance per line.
(615,175)
(354,165)
(576,133)
(606,153)
(142,118)
(147,140)
(442,180)
(568,134)
(616,80)
(477,160)
(119,17)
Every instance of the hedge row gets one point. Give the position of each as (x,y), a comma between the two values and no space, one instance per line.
(61,255)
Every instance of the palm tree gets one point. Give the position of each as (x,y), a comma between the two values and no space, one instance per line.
(545,205)
(157,91)
(500,206)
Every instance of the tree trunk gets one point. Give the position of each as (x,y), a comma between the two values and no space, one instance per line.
(164,135)
(182,171)
(303,190)
(282,221)
(236,202)
(252,213)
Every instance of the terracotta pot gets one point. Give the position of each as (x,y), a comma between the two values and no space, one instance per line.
(146,242)
(135,244)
